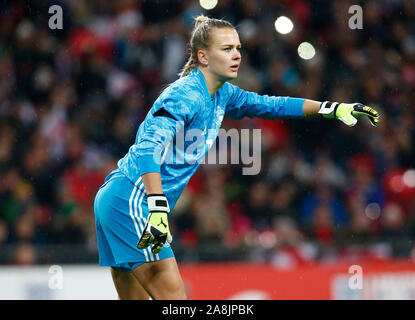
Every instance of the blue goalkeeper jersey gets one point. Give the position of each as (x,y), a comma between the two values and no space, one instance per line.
(184,122)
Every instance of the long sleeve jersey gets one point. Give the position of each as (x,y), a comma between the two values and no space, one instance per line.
(184,121)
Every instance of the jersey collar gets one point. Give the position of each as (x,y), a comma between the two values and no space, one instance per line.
(202,81)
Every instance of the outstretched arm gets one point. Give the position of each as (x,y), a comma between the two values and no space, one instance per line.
(242,103)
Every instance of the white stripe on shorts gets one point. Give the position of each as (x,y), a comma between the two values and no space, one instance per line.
(141,219)
(133,195)
(145,222)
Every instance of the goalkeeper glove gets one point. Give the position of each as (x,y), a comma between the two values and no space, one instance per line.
(348,112)
(157,230)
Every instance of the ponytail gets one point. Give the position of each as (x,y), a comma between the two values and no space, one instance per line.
(190,65)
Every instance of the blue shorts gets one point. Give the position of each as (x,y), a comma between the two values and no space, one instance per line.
(121,214)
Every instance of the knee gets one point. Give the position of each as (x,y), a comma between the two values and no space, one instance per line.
(162,280)
(180,292)
(174,290)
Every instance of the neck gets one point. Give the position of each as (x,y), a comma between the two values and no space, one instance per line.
(212,82)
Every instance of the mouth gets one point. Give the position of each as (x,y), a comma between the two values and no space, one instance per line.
(235,67)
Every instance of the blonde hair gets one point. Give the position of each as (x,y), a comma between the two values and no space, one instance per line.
(200,39)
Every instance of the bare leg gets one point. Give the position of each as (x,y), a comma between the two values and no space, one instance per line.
(161,279)
(127,286)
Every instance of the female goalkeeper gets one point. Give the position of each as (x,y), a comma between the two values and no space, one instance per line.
(133,205)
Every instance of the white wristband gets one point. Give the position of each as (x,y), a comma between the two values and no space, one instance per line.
(328,108)
(158,202)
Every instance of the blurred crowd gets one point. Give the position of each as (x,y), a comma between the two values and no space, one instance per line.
(72,99)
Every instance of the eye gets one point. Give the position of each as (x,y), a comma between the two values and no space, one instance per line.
(227,49)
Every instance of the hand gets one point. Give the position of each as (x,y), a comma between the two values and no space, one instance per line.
(157,230)
(348,113)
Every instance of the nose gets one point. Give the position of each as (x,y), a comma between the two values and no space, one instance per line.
(237,55)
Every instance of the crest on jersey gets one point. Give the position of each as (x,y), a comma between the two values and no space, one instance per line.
(220,113)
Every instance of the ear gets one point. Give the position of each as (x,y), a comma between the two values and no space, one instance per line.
(202,57)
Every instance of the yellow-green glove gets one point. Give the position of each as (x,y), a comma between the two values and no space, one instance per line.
(157,230)
(348,113)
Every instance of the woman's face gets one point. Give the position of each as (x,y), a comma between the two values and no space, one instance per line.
(223,57)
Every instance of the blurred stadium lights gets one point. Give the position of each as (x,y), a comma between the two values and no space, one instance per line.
(306,50)
(284,25)
(409,178)
(373,210)
(208,4)
(396,183)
